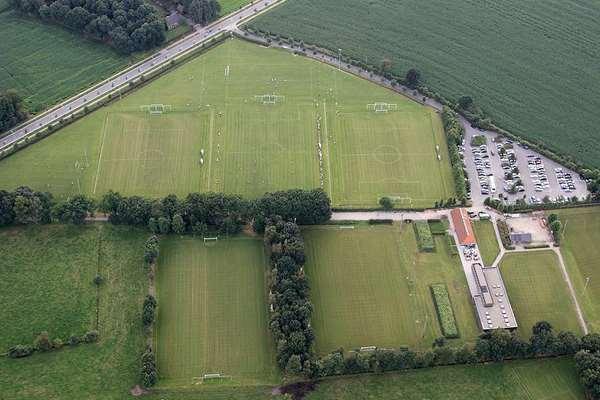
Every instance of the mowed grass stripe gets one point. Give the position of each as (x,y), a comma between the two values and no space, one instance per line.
(212,315)
(538,292)
(370,286)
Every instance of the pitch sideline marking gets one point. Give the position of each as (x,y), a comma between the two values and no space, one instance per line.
(210,146)
(328,150)
(100,155)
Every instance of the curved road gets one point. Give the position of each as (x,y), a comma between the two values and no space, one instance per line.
(201,35)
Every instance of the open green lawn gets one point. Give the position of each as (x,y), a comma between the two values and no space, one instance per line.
(532,67)
(229,6)
(581,253)
(370,287)
(486,241)
(46,63)
(538,292)
(212,314)
(106,370)
(249,147)
(553,379)
(49,286)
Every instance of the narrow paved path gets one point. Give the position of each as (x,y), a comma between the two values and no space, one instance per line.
(162,57)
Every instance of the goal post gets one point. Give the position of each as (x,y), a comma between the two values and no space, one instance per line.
(214,377)
(210,241)
(268,99)
(156,109)
(382,107)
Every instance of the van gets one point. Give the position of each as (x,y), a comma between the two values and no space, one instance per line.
(483,215)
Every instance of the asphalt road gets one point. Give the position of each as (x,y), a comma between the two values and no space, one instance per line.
(201,34)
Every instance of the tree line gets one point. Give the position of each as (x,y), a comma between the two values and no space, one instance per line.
(127,25)
(197,213)
(290,305)
(12,109)
(202,11)
(454,134)
(497,345)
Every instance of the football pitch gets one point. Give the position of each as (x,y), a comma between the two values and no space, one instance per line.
(538,292)
(212,315)
(370,287)
(245,119)
(579,246)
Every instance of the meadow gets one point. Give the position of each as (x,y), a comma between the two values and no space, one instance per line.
(229,6)
(221,136)
(486,241)
(538,292)
(532,67)
(580,250)
(370,287)
(47,63)
(213,312)
(105,370)
(515,380)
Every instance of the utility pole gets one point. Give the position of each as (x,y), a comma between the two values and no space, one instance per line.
(587,281)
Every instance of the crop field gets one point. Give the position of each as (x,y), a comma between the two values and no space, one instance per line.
(222,136)
(48,286)
(47,63)
(486,241)
(581,253)
(550,379)
(538,292)
(370,287)
(532,67)
(212,312)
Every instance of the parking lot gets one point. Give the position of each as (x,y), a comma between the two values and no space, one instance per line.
(507,170)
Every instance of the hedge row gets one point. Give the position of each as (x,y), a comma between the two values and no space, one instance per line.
(454,134)
(424,236)
(445,313)
(505,234)
(42,343)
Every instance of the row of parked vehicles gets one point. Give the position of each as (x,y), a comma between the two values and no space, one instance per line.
(537,172)
(483,167)
(565,180)
(508,161)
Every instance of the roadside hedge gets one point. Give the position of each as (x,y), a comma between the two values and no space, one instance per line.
(454,134)
(424,236)
(444,310)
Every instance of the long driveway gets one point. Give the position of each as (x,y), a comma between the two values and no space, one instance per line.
(201,35)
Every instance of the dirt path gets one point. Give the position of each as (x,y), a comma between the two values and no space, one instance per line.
(571,290)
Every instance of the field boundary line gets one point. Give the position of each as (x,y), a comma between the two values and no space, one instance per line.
(566,277)
(100,155)
(326,131)
(210,146)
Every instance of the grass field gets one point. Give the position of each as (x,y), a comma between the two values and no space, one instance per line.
(532,67)
(250,147)
(370,286)
(582,255)
(106,370)
(213,312)
(486,241)
(521,380)
(229,6)
(538,292)
(46,63)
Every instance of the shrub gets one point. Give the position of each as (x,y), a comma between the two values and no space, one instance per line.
(505,234)
(151,249)
(149,374)
(73,340)
(20,351)
(91,337)
(98,279)
(424,236)
(148,310)
(445,313)
(386,203)
(42,342)
(57,343)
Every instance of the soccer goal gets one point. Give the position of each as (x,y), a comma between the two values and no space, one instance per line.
(210,241)
(214,378)
(382,107)
(268,99)
(156,109)
(402,200)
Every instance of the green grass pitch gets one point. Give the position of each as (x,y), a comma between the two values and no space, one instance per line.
(538,292)
(212,315)
(249,147)
(549,379)
(579,246)
(486,241)
(370,287)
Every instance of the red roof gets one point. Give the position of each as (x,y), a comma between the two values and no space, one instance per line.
(462,226)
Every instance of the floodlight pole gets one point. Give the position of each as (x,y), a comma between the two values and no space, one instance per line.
(587,281)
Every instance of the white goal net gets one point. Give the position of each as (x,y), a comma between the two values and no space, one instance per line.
(210,241)
(269,98)
(156,109)
(382,107)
